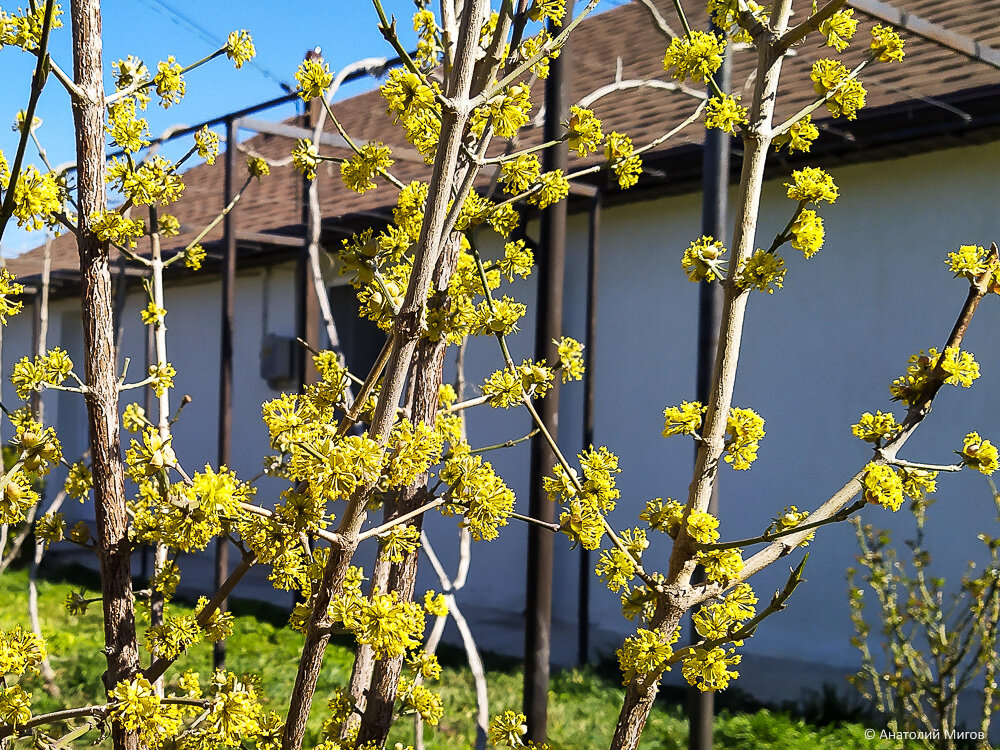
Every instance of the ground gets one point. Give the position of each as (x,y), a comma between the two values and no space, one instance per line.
(583,703)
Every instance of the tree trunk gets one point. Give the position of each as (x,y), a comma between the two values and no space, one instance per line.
(640,693)
(406,333)
(113,547)
(426,376)
(364,655)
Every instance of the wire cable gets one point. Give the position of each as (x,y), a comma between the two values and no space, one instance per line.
(180,19)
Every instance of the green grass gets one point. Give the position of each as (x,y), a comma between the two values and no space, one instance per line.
(583,703)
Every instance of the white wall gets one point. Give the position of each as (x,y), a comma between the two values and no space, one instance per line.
(264,303)
(816,355)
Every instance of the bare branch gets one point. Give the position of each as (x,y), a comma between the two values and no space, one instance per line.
(659,20)
(811,24)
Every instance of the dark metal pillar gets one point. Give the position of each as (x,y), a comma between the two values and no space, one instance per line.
(226,361)
(548,326)
(715,187)
(590,348)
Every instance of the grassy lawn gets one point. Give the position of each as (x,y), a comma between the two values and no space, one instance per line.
(583,703)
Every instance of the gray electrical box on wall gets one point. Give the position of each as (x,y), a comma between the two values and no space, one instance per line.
(277,364)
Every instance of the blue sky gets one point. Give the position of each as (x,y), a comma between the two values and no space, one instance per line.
(189,29)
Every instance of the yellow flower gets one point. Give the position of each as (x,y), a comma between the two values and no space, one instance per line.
(239,48)
(684,419)
(570,353)
(725,114)
(194,256)
(844,95)
(519,174)
(553,10)
(360,172)
(839,29)
(79,481)
(475,486)
(314,78)
(507,112)
(980,454)
(708,669)
(663,516)
(207,144)
(702,261)
(258,167)
(882,486)
(111,226)
(721,565)
(887,43)
(507,728)
(918,483)
(619,151)
(127,130)
(799,137)
(812,185)
(583,131)
(971,261)
(703,527)
(744,430)
(305,158)
(168,225)
(875,427)
(762,271)
(517,260)
(697,57)
(169,82)
(9,288)
(553,188)
(644,654)
(435,604)
(36,197)
(15,706)
(808,232)
(21,651)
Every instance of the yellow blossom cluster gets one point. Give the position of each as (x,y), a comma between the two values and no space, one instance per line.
(478,493)
(957,366)
(725,113)
(979,454)
(873,428)
(799,136)
(839,29)
(696,56)
(646,654)
(882,486)
(703,261)
(585,502)
(762,271)
(744,430)
(843,93)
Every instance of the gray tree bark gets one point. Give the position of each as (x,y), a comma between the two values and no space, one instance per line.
(113,547)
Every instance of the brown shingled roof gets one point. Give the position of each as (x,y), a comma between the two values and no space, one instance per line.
(621,41)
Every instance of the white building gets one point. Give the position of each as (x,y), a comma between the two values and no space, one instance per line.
(918,177)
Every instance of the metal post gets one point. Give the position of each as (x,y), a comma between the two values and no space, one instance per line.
(715,187)
(590,347)
(548,326)
(226,362)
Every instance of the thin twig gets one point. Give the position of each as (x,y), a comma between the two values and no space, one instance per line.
(37,84)
(401,519)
